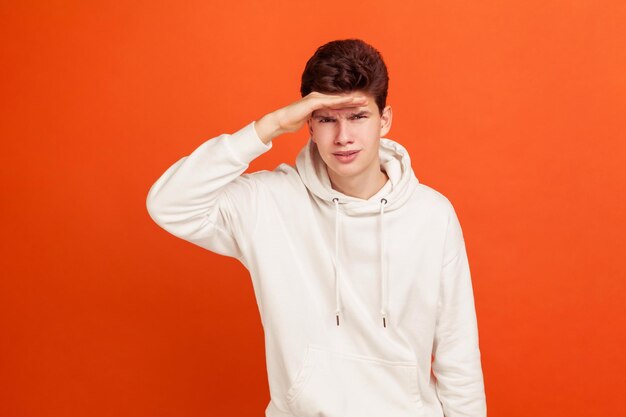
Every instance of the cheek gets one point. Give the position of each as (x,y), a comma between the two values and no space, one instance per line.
(321,133)
(367,128)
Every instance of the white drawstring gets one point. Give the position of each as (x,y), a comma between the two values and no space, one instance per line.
(337,265)
(383,268)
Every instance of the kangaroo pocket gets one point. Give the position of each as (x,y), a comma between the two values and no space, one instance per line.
(333,384)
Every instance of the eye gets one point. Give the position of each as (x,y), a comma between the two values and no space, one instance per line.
(359,116)
(325,120)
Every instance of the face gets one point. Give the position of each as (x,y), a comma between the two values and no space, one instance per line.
(350,129)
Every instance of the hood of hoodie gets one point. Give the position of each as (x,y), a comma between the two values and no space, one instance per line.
(395,160)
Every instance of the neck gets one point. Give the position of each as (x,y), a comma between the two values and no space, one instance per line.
(364,186)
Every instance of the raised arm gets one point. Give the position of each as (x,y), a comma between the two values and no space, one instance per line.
(206,199)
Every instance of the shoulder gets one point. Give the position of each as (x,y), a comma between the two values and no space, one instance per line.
(447,214)
(434,200)
(283,172)
(281,178)
(442,212)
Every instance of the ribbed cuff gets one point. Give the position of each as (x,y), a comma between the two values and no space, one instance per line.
(246,144)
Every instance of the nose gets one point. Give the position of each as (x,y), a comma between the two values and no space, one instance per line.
(343,134)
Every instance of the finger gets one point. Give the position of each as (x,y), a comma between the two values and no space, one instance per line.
(347,98)
(316,94)
(339,102)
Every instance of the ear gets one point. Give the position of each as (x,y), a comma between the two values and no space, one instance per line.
(309,125)
(385,121)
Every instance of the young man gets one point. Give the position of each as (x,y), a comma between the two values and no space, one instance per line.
(360,272)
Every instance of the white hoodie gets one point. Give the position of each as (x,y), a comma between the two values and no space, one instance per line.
(359,299)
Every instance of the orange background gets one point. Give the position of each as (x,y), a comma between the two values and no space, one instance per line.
(514,110)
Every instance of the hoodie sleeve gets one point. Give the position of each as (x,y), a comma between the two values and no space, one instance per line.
(456,364)
(205,199)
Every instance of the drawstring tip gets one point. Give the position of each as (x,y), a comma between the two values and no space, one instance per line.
(384,322)
(337,319)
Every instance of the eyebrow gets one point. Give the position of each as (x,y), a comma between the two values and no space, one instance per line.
(358,113)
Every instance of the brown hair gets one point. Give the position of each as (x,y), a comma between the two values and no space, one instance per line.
(347,65)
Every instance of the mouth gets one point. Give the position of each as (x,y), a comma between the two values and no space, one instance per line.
(345,153)
(346,156)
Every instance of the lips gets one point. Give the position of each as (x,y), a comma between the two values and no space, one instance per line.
(344,153)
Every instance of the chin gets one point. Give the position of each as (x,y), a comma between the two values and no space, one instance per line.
(345,170)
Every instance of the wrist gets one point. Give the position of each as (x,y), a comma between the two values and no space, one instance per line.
(268,127)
